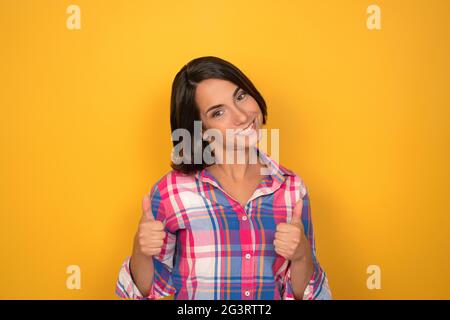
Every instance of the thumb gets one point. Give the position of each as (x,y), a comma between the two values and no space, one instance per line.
(147,214)
(297,214)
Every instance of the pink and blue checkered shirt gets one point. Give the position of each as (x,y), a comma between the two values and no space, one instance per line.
(217,249)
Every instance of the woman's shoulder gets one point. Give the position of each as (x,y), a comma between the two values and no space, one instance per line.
(294,179)
(173,180)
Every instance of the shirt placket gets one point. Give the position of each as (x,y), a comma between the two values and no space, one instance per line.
(247,237)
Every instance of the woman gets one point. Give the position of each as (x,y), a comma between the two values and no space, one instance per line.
(218,229)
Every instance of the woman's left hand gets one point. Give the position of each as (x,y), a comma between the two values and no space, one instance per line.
(290,241)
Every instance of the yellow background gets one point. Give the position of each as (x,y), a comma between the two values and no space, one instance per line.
(363,118)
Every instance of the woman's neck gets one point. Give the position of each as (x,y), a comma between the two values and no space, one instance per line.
(236,170)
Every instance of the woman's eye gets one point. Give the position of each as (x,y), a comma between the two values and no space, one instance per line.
(217,113)
(242,95)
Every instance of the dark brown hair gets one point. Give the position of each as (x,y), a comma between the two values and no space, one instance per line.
(183,109)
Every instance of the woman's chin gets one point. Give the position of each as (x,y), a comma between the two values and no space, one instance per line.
(252,144)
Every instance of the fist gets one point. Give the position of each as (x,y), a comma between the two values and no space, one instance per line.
(290,241)
(150,236)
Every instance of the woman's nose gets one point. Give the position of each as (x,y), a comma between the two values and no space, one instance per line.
(239,117)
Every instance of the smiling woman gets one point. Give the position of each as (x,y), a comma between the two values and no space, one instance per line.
(214,91)
(223,230)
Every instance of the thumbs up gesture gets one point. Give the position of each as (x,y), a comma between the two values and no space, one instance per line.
(290,241)
(150,236)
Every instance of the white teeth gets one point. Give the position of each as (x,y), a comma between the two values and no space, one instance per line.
(247,131)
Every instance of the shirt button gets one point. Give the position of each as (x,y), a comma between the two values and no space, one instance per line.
(247,256)
(244,218)
(247,293)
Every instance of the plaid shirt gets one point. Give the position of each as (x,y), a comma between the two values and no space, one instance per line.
(217,249)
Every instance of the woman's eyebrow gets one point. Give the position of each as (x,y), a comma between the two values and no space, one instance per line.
(218,105)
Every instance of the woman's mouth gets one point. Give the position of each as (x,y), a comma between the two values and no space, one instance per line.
(248,130)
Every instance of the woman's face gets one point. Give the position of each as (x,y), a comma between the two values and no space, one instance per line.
(223,105)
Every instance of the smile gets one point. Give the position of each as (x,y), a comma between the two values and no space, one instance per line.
(248,130)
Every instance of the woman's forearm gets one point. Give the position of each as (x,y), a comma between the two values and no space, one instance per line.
(301,273)
(142,271)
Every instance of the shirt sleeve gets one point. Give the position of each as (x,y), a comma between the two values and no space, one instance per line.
(317,287)
(162,285)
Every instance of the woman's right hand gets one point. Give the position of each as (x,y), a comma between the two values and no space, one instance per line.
(150,235)
(148,242)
